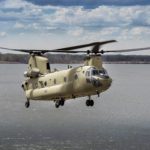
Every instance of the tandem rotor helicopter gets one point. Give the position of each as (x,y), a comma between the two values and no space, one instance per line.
(91,78)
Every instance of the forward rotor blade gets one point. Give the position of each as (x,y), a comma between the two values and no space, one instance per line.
(127,50)
(63,51)
(84,45)
(110,51)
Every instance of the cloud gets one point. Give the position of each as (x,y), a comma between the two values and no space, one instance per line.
(102,22)
(15,4)
(142,33)
(19,25)
(3,34)
(76,32)
(90,3)
(103,16)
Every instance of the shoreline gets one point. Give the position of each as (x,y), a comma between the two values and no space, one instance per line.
(117,62)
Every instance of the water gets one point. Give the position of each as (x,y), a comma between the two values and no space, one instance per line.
(120,119)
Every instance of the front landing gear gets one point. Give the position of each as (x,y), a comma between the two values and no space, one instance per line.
(89,102)
(27,103)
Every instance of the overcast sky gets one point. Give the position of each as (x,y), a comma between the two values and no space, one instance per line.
(49,24)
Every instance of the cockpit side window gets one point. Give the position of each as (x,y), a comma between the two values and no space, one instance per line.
(95,72)
(91,72)
(48,66)
(88,73)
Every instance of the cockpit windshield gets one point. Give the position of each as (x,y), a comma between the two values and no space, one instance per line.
(96,72)
(103,72)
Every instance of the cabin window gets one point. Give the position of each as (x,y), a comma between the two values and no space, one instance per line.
(41,83)
(30,65)
(76,77)
(88,73)
(22,86)
(45,83)
(36,85)
(48,66)
(65,79)
(54,81)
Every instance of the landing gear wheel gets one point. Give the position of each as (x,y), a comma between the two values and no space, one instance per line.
(88,103)
(62,102)
(91,103)
(57,104)
(27,104)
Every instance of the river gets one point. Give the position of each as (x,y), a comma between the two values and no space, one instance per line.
(119,120)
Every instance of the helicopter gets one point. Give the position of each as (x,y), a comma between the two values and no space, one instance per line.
(91,78)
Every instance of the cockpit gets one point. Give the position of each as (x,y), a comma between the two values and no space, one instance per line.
(95,72)
(97,77)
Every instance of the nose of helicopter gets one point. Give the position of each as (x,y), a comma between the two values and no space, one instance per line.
(107,82)
(104,83)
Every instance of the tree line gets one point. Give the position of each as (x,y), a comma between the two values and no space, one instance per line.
(66,58)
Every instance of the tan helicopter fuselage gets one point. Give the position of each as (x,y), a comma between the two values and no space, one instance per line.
(66,84)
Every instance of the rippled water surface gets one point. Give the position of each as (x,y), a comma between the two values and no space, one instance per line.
(120,119)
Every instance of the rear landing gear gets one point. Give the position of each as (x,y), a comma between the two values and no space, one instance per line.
(62,102)
(27,103)
(89,102)
(59,103)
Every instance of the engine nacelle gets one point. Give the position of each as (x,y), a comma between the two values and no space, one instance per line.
(34,73)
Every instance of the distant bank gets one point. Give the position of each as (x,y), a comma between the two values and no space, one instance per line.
(63,58)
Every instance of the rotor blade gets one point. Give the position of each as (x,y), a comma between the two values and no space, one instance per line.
(60,49)
(127,50)
(84,45)
(20,50)
(41,51)
(63,51)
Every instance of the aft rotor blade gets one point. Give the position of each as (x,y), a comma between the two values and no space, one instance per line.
(40,51)
(20,50)
(127,50)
